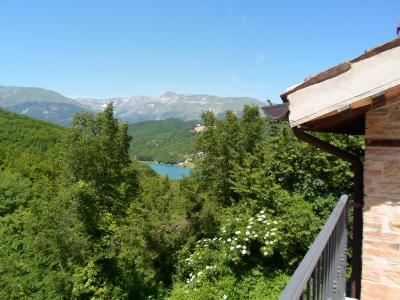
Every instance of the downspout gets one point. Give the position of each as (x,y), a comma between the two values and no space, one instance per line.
(357,203)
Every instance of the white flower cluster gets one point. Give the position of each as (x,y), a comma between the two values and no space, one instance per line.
(234,243)
(196,276)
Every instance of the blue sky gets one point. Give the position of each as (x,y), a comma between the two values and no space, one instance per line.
(221,47)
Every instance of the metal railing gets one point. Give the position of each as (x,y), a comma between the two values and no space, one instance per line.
(322,272)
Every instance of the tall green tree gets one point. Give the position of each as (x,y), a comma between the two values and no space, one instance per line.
(98,161)
(105,184)
(224,144)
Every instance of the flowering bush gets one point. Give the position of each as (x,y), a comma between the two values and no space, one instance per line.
(239,242)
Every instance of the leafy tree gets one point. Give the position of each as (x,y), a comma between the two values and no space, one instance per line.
(97,159)
(251,250)
(41,245)
(79,219)
(252,167)
(106,183)
(15,191)
(224,144)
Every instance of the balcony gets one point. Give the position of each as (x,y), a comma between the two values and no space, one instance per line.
(322,272)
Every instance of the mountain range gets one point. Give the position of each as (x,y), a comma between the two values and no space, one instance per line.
(53,107)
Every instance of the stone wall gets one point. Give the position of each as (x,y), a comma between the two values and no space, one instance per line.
(381,239)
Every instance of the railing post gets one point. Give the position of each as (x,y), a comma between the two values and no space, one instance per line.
(328,252)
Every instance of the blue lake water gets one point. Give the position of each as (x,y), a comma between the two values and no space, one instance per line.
(173,171)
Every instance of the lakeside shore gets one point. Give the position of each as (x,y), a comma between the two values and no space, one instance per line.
(173,171)
(189,165)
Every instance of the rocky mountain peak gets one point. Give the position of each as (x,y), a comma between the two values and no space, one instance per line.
(53,107)
(169,94)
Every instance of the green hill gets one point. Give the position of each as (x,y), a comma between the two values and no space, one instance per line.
(20,134)
(28,149)
(167,141)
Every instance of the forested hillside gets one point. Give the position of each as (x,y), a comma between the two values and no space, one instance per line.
(167,141)
(24,133)
(80,219)
(26,147)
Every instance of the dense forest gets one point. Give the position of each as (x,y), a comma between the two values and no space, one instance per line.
(81,219)
(166,141)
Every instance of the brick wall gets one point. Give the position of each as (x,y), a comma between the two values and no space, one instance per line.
(381,242)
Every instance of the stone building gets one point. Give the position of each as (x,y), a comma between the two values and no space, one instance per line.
(361,97)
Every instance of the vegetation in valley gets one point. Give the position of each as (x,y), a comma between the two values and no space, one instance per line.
(166,141)
(81,219)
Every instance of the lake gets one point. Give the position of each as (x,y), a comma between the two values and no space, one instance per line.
(173,171)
